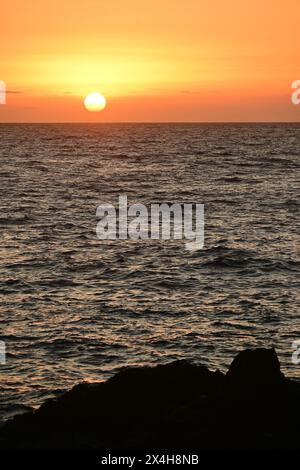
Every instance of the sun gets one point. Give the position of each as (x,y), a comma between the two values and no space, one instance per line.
(95,102)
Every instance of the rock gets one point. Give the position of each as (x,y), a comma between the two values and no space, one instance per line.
(255,369)
(177,405)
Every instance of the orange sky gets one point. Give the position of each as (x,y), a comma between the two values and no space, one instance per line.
(154,60)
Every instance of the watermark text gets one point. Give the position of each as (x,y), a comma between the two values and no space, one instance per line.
(158,221)
(2,92)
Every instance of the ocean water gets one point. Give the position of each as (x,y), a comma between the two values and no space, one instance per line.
(75,308)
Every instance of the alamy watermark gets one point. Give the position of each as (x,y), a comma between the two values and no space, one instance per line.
(296,94)
(158,221)
(2,92)
(2,353)
(296,353)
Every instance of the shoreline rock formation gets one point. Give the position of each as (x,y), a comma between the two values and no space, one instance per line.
(177,406)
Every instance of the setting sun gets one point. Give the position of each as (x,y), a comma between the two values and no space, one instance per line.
(155,63)
(95,102)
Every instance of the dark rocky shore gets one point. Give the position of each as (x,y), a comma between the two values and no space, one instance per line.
(175,406)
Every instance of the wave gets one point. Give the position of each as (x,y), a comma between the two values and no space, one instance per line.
(267,265)
(224,257)
(6,221)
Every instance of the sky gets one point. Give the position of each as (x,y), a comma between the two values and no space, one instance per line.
(153,60)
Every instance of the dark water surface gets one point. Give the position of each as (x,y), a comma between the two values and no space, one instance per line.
(76,308)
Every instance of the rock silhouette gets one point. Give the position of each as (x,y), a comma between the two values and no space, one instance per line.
(178,405)
(258,368)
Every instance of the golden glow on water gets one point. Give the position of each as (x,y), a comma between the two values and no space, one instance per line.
(87,307)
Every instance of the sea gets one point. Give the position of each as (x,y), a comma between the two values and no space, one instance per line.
(77,309)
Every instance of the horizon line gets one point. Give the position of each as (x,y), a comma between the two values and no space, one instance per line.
(150,122)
